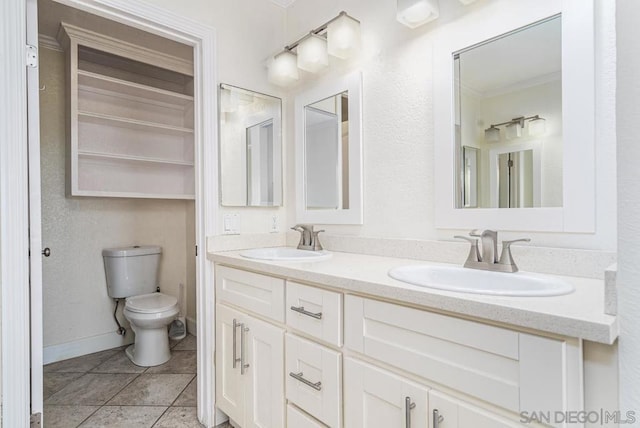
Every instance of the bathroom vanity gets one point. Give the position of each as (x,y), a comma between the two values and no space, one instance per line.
(339,343)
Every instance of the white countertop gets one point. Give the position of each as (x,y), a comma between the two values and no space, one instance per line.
(579,314)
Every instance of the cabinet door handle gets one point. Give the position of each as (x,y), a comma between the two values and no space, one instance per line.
(408,405)
(437,418)
(243,365)
(301,310)
(300,377)
(236,324)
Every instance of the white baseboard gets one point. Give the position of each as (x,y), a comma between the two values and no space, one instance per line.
(84,346)
(192,325)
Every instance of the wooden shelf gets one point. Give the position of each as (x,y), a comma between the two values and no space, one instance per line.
(118,87)
(105,119)
(130,158)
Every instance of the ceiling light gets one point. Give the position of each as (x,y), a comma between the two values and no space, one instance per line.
(343,36)
(283,69)
(414,13)
(312,53)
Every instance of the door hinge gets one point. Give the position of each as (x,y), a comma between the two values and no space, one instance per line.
(196,251)
(36,420)
(32,56)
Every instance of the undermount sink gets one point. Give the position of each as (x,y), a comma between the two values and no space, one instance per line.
(464,280)
(285,254)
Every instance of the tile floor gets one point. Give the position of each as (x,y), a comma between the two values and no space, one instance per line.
(105,389)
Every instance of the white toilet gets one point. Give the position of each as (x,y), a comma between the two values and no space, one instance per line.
(132,273)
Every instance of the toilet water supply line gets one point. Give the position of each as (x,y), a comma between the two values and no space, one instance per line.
(121,330)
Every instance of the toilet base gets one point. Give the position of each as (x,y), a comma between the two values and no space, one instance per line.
(151,348)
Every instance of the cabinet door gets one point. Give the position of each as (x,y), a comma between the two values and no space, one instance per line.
(229,382)
(448,412)
(375,398)
(265,402)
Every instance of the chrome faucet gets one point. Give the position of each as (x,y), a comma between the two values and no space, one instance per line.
(308,237)
(489,260)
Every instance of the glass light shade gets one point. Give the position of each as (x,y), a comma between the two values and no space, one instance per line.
(492,135)
(513,130)
(537,127)
(283,69)
(414,13)
(343,37)
(312,54)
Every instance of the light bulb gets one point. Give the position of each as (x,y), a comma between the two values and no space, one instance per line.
(312,54)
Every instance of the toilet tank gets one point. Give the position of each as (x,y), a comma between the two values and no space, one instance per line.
(131,271)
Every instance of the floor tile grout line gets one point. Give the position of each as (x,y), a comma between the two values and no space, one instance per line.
(183,389)
(122,389)
(92,413)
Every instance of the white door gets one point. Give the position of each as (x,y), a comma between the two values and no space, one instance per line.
(35,230)
(375,398)
(264,397)
(229,380)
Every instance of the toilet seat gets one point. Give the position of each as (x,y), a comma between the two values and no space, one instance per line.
(151,303)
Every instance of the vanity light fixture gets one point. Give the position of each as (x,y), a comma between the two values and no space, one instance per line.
(283,69)
(339,37)
(514,128)
(414,13)
(312,53)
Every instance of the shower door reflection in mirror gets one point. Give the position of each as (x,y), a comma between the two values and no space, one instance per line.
(327,153)
(250,148)
(508,107)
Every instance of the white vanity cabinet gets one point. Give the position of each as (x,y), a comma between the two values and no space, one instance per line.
(318,357)
(376,398)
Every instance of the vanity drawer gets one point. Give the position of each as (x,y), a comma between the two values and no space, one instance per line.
(315,311)
(513,370)
(261,294)
(314,379)
(296,418)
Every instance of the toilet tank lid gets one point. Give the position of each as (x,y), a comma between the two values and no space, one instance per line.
(136,250)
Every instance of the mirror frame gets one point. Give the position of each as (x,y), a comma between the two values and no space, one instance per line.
(577,215)
(352,83)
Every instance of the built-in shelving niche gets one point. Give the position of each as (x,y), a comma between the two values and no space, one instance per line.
(130,119)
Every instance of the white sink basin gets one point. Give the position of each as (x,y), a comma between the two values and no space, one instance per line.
(285,254)
(464,280)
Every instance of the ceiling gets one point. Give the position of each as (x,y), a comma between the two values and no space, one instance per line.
(283,3)
(51,13)
(533,54)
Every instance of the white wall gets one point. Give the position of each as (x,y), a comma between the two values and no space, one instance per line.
(397,68)
(248,32)
(628,113)
(75,300)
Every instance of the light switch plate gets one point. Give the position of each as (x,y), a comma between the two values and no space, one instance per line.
(231,223)
(273,225)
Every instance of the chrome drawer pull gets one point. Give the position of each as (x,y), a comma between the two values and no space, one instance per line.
(236,324)
(299,377)
(437,418)
(408,405)
(300,309)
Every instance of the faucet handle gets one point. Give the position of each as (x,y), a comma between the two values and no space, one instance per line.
(317,246)
(474,254)
(505,257)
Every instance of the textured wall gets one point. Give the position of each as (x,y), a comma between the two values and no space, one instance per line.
(76,305)
(397,67)
(628,112)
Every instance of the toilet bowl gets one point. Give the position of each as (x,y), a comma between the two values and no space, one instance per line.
(149,315)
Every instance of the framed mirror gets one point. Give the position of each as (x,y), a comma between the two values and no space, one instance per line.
(250,148)
(513,92)
(329,153)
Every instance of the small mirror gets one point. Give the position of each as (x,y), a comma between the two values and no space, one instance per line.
(250,148)
(329,153)
(508,105)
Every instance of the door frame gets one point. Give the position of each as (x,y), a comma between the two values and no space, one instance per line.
(14,220)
